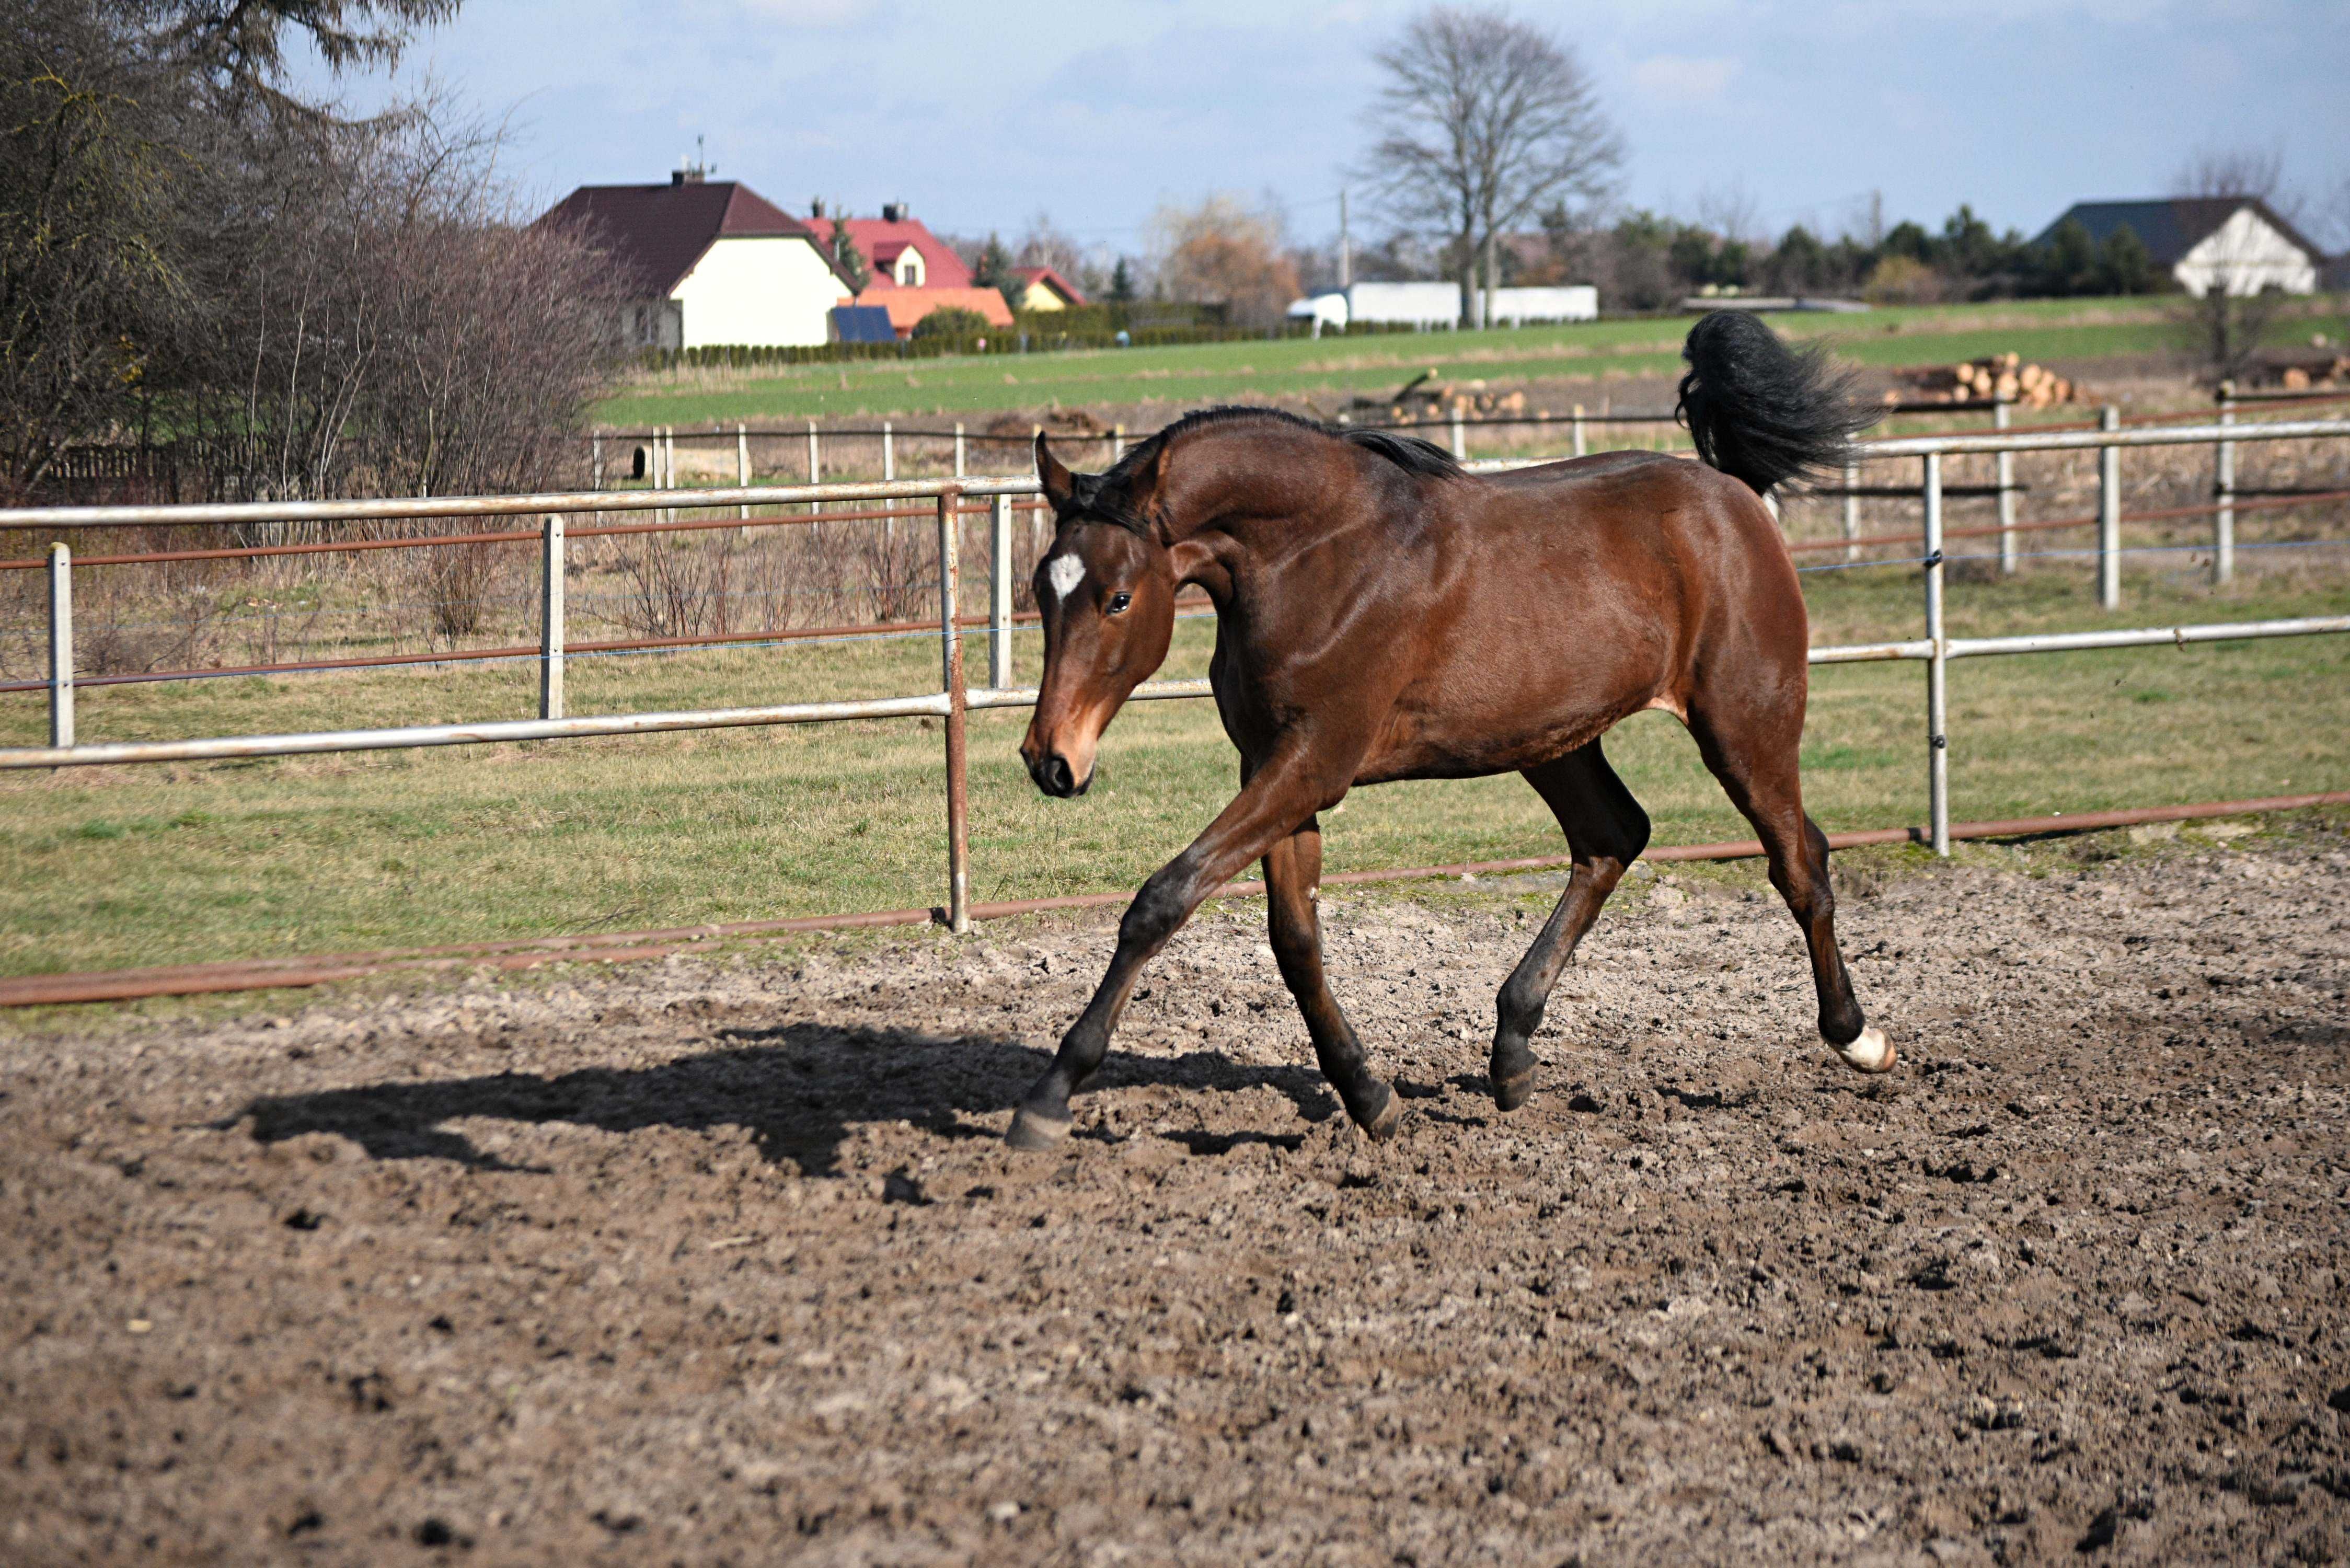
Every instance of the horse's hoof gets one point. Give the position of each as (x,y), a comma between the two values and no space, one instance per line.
(1031,1131)
(1381,1124)
(1513,1090)
(1871,1052)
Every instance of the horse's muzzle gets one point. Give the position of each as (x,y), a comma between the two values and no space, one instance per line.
(1056,778)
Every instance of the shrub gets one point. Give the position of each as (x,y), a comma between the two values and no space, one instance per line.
(951,321)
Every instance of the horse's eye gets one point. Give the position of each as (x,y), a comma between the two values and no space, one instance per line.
(1118,602)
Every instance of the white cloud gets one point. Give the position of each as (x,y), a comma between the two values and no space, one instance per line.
(1685,78)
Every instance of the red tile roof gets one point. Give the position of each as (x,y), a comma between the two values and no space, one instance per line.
(883,241)
(656,232)
(1052,280)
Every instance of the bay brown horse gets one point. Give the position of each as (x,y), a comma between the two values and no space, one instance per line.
(1382,614)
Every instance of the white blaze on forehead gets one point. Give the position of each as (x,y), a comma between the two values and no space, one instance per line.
(1064,575)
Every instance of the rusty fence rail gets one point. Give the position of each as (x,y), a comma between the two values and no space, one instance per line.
(956,696)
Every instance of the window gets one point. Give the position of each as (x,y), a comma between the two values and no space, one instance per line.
(910,269)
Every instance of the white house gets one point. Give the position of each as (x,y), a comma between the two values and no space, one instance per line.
(2234,242)
(707,261)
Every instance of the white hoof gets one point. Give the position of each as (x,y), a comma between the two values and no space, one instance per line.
(1871,1052)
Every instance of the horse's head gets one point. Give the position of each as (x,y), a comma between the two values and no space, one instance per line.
(1106,593)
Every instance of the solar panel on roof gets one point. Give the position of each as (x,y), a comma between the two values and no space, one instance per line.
(862,324)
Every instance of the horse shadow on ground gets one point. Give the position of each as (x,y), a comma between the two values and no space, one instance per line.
(796,1087)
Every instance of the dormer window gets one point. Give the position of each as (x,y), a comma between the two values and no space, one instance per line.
(910,269)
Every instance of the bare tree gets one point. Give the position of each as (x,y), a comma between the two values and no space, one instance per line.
(2257,172)
(1227,252)
(1482,122)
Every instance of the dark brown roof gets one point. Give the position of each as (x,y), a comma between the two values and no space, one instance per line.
(2170,226)
(656,232)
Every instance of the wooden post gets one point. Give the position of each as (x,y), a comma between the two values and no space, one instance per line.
(957,747)
(2109,515)
(2006,464)
(2224,488)
(550,619)
(742,462)
(61,647)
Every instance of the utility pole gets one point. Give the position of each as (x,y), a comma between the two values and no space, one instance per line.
(1876,218)
(1346,248)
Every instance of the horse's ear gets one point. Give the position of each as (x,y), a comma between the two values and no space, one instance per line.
(1060,486)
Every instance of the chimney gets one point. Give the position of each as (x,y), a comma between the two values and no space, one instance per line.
(816,208)
(893,212)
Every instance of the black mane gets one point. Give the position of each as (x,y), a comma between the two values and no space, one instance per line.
(1107,497)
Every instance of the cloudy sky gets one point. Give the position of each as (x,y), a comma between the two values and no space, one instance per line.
(981,116)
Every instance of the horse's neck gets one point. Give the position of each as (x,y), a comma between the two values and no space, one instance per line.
(1249,490)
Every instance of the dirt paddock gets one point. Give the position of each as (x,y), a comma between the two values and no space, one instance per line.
(722,1261)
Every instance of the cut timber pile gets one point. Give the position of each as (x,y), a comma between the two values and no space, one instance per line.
(2004,377)
(2317,367)
(1426,397)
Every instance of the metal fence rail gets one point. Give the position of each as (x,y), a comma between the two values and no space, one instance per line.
(956,696)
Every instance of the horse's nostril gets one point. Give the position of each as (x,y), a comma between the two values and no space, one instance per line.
(1054,775)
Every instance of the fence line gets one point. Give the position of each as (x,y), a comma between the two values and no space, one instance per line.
(956,698)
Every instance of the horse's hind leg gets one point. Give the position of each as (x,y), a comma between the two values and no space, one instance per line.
(1293,874)
(1754,756)
(1605,831)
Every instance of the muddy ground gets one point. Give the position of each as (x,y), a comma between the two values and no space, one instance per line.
(722,1263)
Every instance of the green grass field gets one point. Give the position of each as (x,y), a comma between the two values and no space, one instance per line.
(1333,370)
(122,866)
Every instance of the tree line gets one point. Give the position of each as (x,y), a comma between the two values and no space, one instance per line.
(191,252)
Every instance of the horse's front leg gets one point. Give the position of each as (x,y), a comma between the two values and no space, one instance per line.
(1293,874)
(1281,794)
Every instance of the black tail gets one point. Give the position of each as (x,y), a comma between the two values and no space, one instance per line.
(1761,412)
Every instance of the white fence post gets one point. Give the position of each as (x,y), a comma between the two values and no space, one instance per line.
(742,460)
(958,744)
(2005,478)
(816,467)
(1937,669)
(889,452)
(1460,436)
(2109,514)
(1851,509)
(998,594)
(2223,486)
(959,450)
(550,620)
(596,462)
(1116,443)
(61,647)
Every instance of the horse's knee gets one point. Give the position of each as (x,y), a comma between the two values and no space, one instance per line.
(1155,913)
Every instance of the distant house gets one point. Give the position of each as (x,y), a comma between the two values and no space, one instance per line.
(907,306)
(899,246)
(2233,243)
(1042,288)
(707,261)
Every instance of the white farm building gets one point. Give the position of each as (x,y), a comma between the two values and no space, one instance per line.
(1437,306)
(707,261)
(2233,243)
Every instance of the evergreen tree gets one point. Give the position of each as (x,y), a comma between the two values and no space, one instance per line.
(2124,266)
(1121,284)
(2067,264)
(848,258)
(994,270)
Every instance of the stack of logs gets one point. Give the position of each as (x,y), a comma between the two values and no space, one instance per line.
(1426,397)
(2003,376)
